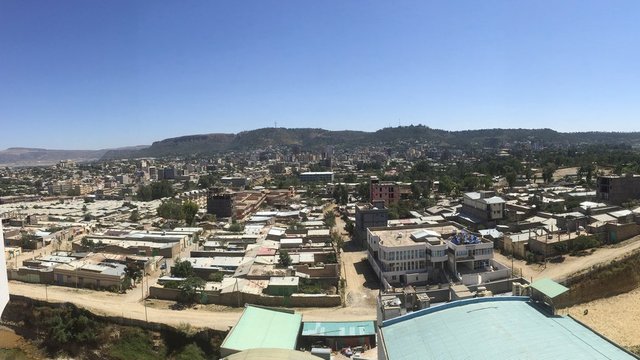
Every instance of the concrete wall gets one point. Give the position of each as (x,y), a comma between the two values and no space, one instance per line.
(239,299)
(34,276)
(328,270)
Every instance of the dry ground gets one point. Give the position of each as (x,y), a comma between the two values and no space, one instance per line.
(617,317)
(572,264)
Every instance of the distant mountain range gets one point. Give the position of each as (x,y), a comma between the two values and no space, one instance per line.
(42,157)
(308,139)
(314,139)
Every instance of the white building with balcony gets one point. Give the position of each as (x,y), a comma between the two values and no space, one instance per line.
(419,254)
(405,255)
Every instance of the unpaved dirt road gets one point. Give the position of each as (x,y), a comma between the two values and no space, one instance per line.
(573,264)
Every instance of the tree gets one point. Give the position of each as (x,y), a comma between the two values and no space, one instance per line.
(329,219)
(133,272)
(341,194)
(135,216)
(337,240)
(189,209)
(284,259)
(190,289)
(511,178)
(547,172)
(216,276)
(182,269)
(157,190)
(362,190)
(171,210)
(236,227)
(190,352)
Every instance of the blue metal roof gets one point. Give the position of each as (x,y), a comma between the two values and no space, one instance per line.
(493,328)
(338,328)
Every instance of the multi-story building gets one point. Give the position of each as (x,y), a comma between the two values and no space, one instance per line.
(469,253)
(235,181)
(389,192)
(618,189)
(484,206)
(368,216)
(418,254)
(221,205)
(405,255)
(320,176)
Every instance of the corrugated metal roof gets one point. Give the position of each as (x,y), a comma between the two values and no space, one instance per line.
(549,287)
(338,328)
(264,328)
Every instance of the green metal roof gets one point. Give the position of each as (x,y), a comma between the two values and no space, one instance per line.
(338,328)
(492,328)
(549,287)
(264,328)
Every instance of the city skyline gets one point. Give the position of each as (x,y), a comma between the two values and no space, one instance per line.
(81,75)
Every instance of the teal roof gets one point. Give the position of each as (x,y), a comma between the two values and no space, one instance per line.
(264,328)
(338,328)
(492,328)
(549,287)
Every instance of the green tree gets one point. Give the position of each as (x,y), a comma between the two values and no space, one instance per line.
(135,216)
(171,209)
(182,269)
(337,240)
(511,177)
(236,227)
(362,190)
(547,172)
(284,259)
(189,209)
(329,219)
(190,352)
(133,272)
(191,289)
(341,194)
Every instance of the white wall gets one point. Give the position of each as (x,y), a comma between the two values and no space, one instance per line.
(4,285)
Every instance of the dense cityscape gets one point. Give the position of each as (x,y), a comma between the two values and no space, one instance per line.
(355,248)
(280,180)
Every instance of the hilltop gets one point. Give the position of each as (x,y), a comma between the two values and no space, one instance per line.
(309,138)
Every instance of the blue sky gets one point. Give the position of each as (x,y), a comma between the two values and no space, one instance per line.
(96,74)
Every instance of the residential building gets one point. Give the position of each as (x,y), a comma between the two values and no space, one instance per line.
(235,181)
(320,176)
(405,255)
(389,192)
(618,189)
(483,206)
(368,216)
(221,205)
(469,253)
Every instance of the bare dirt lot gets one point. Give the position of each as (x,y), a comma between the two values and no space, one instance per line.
(617,317)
